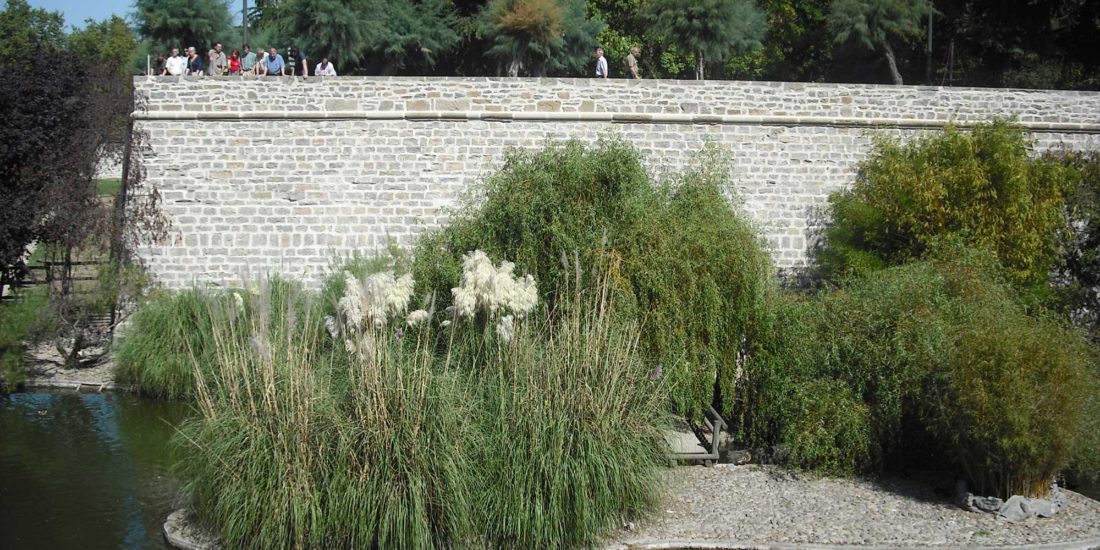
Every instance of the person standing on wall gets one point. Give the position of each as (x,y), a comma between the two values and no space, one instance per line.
(194,62)
(601,64)
(218,61)
(175,65)
(296,62)
(632,64)
(248,60)
(235,63)
(274,65)
(260,68)
(324,68)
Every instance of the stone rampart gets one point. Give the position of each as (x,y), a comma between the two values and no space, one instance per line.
(282,175)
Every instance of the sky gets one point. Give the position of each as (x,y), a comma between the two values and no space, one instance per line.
(77,11)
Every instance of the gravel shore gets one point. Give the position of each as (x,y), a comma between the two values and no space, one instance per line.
(44,370)
(763,505)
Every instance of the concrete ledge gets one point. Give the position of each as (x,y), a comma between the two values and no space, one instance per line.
(68,385)
(620,118)
(1087,544)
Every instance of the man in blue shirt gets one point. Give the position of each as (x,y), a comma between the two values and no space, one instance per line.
(274,63)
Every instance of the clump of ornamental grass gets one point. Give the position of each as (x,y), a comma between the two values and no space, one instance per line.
(304,445)
(571,424)
(359,265)
(168,338)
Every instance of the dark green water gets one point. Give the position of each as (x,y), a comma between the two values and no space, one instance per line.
(85,471)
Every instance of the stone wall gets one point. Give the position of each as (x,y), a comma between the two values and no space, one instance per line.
(285,174)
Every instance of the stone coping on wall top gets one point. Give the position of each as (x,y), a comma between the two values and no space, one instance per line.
(573,81)
(634,118)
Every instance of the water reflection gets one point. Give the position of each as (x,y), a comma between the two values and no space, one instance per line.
(85,470)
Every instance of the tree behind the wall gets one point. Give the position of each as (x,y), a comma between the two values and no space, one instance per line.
(873,24)
(182,23)
(711,29)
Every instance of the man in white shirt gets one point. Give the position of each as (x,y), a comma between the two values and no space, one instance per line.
(601,64)
(175,65)
(324,68)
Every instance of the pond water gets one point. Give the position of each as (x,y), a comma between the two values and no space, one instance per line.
(85,470)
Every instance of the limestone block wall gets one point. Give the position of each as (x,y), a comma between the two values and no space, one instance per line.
(283,175)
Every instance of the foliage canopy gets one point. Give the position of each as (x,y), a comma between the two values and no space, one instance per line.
(710,29)
(980,186)
(682,259)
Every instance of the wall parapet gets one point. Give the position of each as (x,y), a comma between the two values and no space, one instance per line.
(669,101)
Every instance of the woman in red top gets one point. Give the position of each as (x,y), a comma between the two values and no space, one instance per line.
(235,63)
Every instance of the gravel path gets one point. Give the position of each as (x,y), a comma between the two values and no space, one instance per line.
(762,505)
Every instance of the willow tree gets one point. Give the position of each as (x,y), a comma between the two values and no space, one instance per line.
(710,29)
(873,23)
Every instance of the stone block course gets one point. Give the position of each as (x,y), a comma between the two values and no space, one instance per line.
(284,174)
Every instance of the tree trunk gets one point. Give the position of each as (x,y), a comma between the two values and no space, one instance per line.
(890,60)
(518,53)
(391,66)
(699,65)
(541,68)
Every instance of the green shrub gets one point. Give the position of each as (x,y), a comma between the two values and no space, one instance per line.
(304,445)
(830,428)
(981,186)
(680,257)
(1079,268)
(1012,406)
(571,432)
(17,320)
(937,353)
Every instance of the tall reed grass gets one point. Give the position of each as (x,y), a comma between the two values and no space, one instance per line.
(167,338)
(571,420)
(546,438)
(305,445)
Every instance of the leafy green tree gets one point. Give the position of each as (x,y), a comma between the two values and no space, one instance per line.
(184,23)
(711,29)
(109,43)
(573,53)
(874,23)
(338,29)
(981,187)
(23,29)
(542,35)
(1048,44)
(796,48)
(514,25)
(359,33)
(414,32)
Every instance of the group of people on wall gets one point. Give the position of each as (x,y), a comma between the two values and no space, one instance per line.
(272,63)
(236,63)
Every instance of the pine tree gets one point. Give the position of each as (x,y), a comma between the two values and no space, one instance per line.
(872,24)
(710,29)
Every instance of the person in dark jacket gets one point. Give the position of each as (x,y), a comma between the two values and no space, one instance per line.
(194,62)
